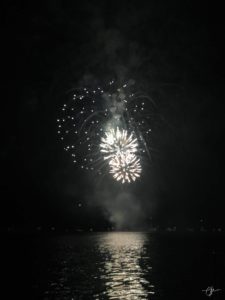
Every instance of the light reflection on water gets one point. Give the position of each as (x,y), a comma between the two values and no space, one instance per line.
(122,273)
(98,266)
(104,266)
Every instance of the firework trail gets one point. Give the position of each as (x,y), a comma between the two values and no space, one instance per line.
(106,130)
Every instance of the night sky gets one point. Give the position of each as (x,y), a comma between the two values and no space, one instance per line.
(174,50)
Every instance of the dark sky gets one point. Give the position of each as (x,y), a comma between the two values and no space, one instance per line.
(174,50)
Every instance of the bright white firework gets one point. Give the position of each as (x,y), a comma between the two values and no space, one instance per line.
(94,119)
(117,142)
(125,167)
(120,149)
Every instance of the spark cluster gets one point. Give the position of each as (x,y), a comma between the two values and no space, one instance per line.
(119,149)
(117,142)
(125,167)
(106,129)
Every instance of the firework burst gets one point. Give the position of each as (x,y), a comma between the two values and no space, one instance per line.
(106,129)
(117,142)
(119,149)
(125,167)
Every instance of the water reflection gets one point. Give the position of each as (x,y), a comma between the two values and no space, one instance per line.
(125,265)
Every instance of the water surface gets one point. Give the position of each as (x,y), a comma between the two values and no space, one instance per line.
(118,265)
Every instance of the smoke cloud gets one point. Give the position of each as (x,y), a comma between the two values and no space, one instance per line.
(122,208)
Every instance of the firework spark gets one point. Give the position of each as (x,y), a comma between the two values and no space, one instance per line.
(125,167)
(106,129)
(119,149)
(117,142)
